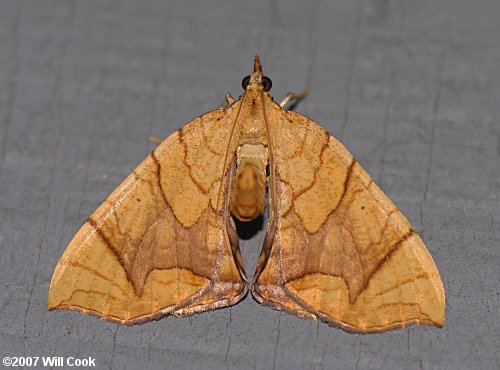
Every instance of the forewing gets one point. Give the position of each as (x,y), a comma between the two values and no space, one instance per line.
(337,248)
(163,242)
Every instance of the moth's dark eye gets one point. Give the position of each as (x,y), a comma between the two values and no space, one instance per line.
(267,83)
(245,82)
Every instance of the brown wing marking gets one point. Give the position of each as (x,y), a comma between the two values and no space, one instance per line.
(342,252)
(159,244)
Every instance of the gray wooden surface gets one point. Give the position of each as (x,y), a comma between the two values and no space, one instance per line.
(412,88)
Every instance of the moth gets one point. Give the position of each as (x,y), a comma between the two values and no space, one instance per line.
(164,242)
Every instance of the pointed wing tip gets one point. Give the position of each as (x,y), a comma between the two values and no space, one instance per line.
(440,320)
(51,304)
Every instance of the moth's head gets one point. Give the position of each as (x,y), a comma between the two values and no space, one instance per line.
(257,80)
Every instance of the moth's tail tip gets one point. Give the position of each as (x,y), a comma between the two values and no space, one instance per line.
(257,67)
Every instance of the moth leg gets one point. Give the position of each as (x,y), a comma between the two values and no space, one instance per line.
(154,140)
(295,98)
(228,100)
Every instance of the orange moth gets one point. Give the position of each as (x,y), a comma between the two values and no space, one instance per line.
(164,242)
